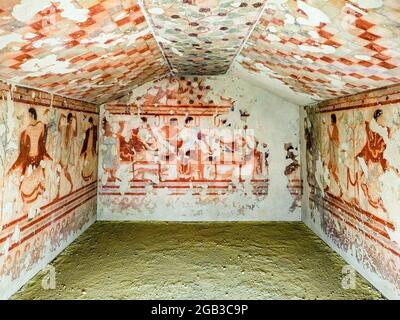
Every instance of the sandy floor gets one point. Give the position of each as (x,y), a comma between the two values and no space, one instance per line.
(198,261)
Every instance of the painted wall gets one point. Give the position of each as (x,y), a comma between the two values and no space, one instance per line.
(199,149)
(351,152)
(48,174)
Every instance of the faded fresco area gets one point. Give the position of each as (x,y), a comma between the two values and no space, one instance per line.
(178,151)
(352,163)
(48,170)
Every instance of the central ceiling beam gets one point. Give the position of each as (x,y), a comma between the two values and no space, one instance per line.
(248,35)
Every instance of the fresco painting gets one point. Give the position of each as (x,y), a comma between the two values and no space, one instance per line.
(187,110)
(178,143)
(48,177)
(292,172)
(181,155)
(90,50)
(352,144)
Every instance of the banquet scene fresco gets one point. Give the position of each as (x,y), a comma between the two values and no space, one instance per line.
(165,148)
(177,141)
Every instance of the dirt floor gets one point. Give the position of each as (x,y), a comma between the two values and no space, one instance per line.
(123,260)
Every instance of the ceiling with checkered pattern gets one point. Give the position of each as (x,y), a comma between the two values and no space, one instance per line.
(99,50)
(327,48)
(91,50)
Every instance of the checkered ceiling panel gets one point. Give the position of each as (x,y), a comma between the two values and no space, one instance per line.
(93,50)
(99,50)
(327,48)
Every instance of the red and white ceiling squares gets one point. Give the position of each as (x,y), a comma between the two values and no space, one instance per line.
(96,55)
(99,50)
(327,48)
